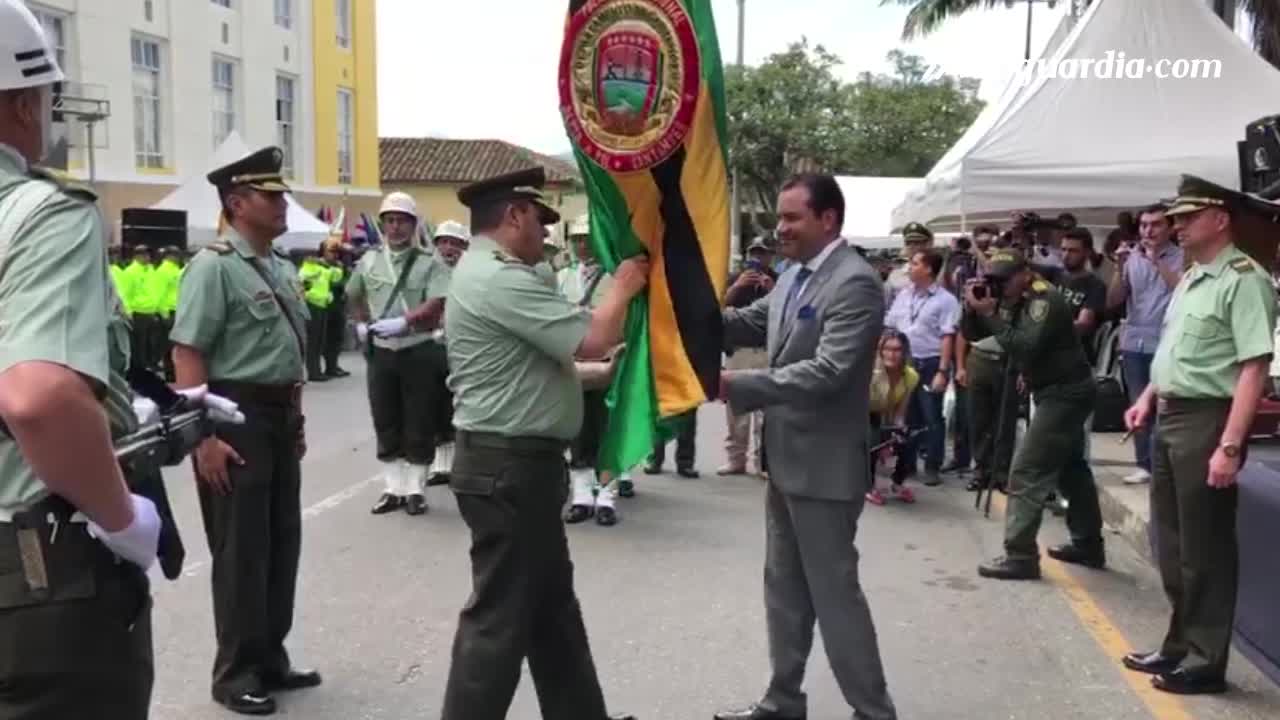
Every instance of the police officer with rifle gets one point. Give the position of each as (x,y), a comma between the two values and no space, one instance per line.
(75,543)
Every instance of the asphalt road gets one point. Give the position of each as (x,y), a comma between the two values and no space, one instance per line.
(673,603)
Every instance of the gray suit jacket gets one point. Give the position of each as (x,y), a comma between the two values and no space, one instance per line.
(815,391)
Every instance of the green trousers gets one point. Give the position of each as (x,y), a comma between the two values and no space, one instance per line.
(510,493)
(1196,544)
(83,650)
(1051,457)
(992,450)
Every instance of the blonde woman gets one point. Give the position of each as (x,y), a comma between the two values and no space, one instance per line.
(893,386)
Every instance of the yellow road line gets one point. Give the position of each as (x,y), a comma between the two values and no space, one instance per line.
(1162,705)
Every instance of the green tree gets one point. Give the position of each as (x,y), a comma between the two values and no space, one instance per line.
(793,112)
(925,16)
(904,122)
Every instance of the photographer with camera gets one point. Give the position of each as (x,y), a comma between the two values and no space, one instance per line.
(755,281)
(1036,332)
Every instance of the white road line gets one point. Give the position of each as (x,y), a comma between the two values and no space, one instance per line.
(309,512)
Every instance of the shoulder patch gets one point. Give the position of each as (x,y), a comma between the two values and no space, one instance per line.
(220,247)
(1241,265)
(1038,310)
(1041,286)
(64,183)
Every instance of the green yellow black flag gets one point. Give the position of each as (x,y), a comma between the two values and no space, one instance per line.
(642,95)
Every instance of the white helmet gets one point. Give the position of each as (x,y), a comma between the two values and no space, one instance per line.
(452,229)
(581,225)
(26,58)
(399,202)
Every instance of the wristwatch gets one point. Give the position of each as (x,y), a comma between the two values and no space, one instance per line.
(1230,449)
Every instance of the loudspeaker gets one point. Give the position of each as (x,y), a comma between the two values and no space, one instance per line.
(1260,157)
(155,229)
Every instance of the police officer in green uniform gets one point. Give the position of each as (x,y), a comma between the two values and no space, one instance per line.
(403,364)
(983,368)
(75,618)
(512,342)
(240,328)
(451,240)
(1208,375)
(1037,333)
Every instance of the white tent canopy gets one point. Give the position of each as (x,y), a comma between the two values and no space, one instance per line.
(1095,142)
(200,201)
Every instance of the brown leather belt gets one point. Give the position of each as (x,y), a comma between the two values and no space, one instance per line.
(525,444)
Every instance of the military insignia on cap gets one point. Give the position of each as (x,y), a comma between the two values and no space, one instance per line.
(1038,310)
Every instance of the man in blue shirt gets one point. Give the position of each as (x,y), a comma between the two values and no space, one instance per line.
(1149,271)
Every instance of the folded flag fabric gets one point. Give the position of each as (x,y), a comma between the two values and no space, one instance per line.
(642,97)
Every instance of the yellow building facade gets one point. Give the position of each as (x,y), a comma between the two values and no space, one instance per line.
(345,79)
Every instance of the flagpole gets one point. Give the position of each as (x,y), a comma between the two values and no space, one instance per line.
(735,214)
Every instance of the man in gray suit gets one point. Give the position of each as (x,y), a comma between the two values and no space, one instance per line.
(820,326)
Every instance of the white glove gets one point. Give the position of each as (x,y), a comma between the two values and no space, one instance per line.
(146,411)
(391,327)
(137,543)
(220,409)
(362,332)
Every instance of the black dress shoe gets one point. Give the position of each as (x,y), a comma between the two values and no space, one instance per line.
(755,712)
(689,473)
(318,378)
(931,478)
(1089,556)
(1153,663)
(652,469)
(1007,568)
(415,504)
(437,479)
(293,679)
(626,489)
(387,503)
(606,516)
(577,514)
(1191,681)
(250,703)
(338,373)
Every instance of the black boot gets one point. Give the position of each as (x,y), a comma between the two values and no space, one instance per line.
(1091,555)
(1007,568)
(387,503)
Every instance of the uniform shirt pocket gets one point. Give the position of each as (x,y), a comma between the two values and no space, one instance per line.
(262,309)
(1208,336)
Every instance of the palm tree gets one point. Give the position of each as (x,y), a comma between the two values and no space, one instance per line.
(925,16)
(1266,27)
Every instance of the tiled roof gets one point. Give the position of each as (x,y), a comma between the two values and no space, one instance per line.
(436,160)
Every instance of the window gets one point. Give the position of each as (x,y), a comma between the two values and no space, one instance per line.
(224,100)
(285,99)
(55,28)
(148,11)
(342,20)
(346,135)
(223,3)
(284,13)
(148,149)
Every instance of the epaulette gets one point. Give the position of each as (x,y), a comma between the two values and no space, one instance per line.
(220,247)
(64,182)
(505,258)
(1241,265)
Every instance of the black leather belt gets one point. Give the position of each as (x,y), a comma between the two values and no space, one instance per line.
(512,443)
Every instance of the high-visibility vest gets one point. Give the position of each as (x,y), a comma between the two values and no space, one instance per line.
(315,279)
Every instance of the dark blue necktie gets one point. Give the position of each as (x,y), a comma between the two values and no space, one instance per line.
(801,276)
